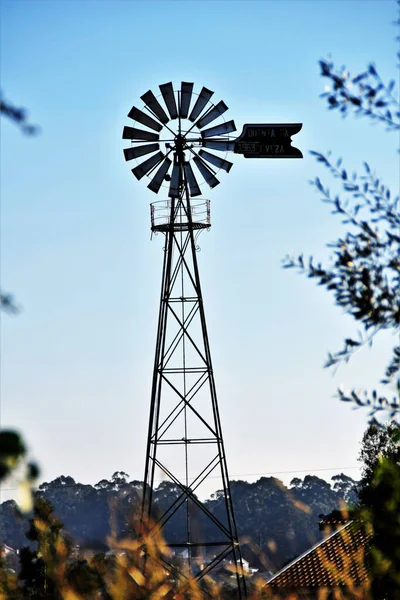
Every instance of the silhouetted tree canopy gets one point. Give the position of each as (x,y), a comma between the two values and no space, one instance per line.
(379,442)
(379,496)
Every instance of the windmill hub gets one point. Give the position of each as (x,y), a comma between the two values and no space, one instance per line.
(180,143)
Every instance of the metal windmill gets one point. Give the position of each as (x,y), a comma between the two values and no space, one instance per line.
(185,444)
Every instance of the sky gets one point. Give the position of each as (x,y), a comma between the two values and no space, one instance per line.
(76,363)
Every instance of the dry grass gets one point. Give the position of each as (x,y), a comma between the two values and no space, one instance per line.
(124,573)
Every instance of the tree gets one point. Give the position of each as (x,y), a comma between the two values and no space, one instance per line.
(19,117)
(379,496)
(363,273)
(12,459)
(12,447)
(346,488)
(47,556)
(378,442)
(12,452)
(384,515)
(32,574)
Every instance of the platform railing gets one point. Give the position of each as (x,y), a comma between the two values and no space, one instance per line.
(160,212)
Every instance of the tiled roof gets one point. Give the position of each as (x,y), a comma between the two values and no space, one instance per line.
(334,561)
(336,518)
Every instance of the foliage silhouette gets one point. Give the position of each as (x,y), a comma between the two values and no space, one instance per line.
(17,116)
(363,273)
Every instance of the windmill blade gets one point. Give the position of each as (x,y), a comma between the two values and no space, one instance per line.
(167,91)
(141,117)
(216,160)
(191,179)
(153,104)
(201,101)
(219,129)
(146,166)
(158,178)
(186,96)
(140,151)
(222,145)
(131,133)
(213,114)
(174,185)
(206,172)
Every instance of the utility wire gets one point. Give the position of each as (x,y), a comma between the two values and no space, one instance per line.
(234,475)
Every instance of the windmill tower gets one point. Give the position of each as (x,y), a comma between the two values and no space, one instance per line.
(185,445)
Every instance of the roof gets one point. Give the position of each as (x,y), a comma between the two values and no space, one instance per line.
(4,549)
(336,518)
(336,560)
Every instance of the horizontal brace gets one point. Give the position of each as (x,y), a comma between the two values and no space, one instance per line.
(186,441)
(184,370)
(227,543)
(181,299)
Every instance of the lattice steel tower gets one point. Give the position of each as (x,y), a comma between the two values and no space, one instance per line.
(185,445)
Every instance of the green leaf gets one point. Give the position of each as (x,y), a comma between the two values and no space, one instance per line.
(11,444)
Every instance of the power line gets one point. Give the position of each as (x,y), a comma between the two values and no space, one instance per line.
(288,472)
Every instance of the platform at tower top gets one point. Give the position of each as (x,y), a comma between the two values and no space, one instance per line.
(161,215)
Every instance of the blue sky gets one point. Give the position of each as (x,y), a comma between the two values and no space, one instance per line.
(77,362)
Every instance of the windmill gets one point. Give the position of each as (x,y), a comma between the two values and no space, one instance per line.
(171,139)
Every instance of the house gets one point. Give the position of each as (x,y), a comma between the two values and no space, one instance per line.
(338,561)
(10,556)
(246,567)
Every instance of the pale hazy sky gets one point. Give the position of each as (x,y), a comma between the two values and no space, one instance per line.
(77,362)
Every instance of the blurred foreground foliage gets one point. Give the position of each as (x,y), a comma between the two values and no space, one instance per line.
(52,569)
(379,508)
(276,523)
(15,466)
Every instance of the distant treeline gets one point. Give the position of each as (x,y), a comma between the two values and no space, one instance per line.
(275,522)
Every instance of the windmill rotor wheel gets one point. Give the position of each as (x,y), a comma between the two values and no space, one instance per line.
(178,136)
